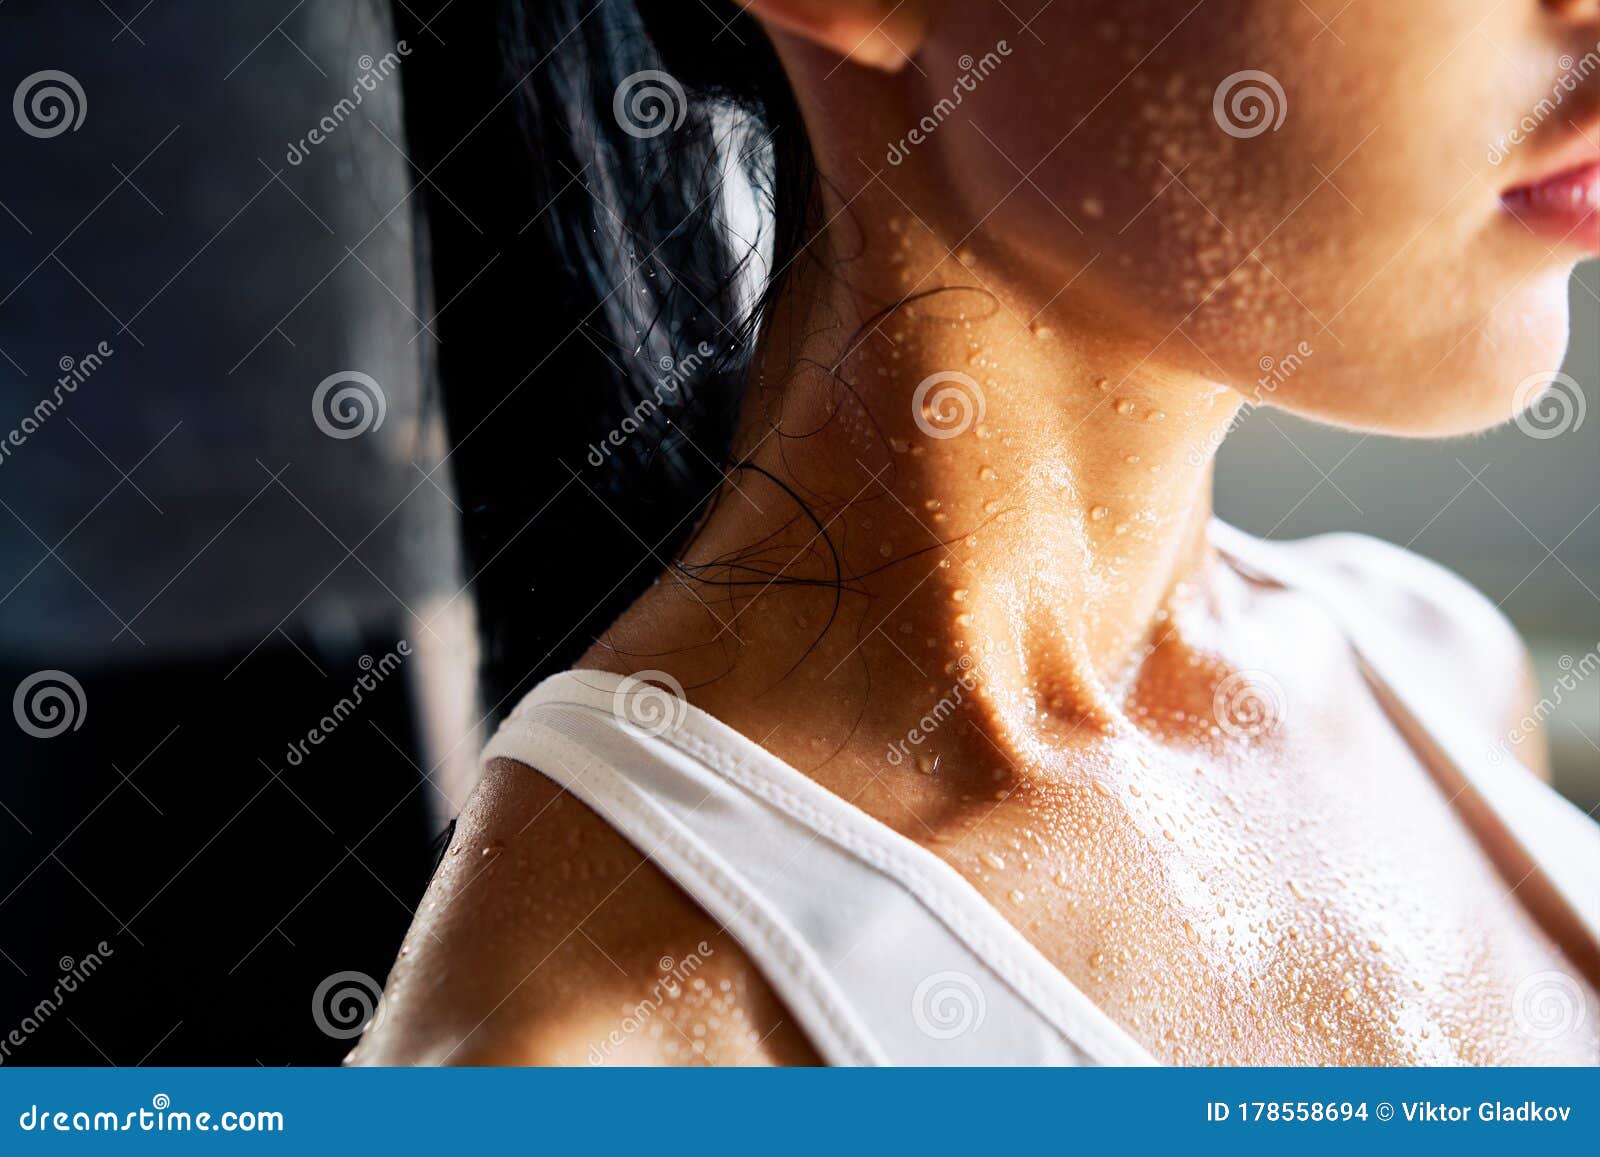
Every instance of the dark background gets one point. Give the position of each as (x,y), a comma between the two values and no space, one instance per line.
(183,540)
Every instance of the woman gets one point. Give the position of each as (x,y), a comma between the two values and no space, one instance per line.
(954,730)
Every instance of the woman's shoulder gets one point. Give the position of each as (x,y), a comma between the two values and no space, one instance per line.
(546,938)
(1456,639)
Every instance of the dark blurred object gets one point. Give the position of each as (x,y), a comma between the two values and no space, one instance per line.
(227,883)
(196,536)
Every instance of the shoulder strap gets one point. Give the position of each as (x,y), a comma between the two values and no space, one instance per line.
(1554,843)
(883,952)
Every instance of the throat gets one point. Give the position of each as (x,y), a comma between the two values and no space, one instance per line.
(959,486)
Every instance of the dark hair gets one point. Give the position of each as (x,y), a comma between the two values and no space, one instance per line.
(574,242)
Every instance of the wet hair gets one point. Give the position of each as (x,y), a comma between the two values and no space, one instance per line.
(593,306)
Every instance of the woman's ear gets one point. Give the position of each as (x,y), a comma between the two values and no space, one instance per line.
(879,34)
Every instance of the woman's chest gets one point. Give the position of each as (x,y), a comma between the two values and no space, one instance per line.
(1342,917)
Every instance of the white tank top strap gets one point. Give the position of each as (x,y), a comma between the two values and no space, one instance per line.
(883,952)
(1552,837)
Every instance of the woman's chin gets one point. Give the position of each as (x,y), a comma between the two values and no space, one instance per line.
(1503,370)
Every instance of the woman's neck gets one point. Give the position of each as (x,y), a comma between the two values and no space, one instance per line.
(1032,512)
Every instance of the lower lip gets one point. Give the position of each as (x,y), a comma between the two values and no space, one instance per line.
(1565,207)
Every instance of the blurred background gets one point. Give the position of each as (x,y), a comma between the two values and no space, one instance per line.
(204,555)
(1516,511)
(231,619)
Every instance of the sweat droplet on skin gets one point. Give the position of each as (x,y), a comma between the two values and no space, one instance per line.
(998,863)
(1124,405)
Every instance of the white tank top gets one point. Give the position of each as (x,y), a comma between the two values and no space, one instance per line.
(882,951)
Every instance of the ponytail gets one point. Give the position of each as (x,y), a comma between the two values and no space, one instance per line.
(594,313)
